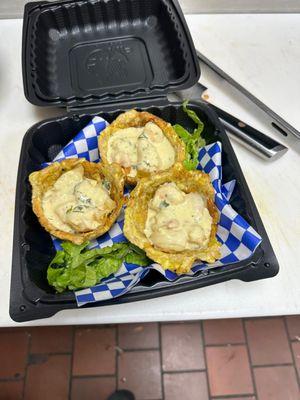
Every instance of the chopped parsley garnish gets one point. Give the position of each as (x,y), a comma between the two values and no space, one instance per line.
(143,136)
(84,199)
(79,208)
(164,204)
(106,185)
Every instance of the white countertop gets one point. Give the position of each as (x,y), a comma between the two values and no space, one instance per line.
(274,186)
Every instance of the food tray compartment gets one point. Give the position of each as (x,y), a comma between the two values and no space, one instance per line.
(32,297)
(88,52)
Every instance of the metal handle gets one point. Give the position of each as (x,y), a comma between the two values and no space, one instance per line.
(250,137)
(278,123)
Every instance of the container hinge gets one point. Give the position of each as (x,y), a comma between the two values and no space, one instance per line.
(120,105)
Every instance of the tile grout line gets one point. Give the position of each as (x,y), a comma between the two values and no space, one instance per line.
(71,362)
(92,327)
(184,371)
(117,337)
(26,366)
(93,376)
(57,353)
(260,318)
(273,365)
(249,357)
(18,379)
(160,361)
(292,352)
(139,350)
(226,344)
(233,396)
(205,358)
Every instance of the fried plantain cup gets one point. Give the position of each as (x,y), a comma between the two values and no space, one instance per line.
(138,119)
(43,180)
(137,211)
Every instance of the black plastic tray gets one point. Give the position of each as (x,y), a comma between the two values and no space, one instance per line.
(32,298)
(78,53)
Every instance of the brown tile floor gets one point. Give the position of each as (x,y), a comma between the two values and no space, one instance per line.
(252,359)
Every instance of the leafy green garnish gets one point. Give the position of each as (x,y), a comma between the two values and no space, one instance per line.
(139,259)
(76,267)
(193,141)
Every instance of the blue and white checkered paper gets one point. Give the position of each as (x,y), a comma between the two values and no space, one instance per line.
(239,240)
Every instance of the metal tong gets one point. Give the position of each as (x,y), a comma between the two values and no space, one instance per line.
(256,141)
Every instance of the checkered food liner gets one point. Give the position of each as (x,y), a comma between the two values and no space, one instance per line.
(239,240)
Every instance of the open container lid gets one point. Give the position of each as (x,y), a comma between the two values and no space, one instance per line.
(90,52)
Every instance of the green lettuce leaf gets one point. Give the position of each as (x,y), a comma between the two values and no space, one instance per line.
(106,266)
(59,259)
(76,267)
(193,141)
(139,259)
(193,115)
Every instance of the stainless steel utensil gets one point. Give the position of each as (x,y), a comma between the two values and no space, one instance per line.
(277,122)
(254,140)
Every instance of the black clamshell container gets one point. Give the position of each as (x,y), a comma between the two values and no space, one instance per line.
(101,57)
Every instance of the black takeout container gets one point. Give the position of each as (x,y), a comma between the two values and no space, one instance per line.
(101,57)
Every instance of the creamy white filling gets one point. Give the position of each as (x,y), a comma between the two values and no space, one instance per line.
(76,203)
(177,221)
(145,148)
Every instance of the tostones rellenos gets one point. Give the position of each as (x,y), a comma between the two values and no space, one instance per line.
(77,200)
(142,144)
(172,217)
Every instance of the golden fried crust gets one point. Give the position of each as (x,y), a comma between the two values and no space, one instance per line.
(137,119)
(136,216)
(42,180)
